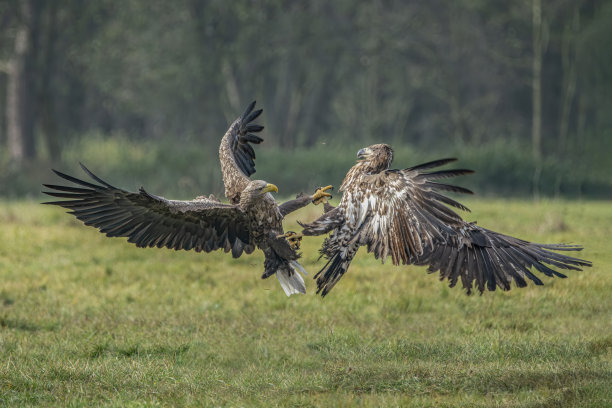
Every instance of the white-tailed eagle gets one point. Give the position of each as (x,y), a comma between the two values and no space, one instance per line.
(251,219)
(402,214)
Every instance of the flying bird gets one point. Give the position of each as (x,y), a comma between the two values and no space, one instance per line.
(251,219)
(403,214)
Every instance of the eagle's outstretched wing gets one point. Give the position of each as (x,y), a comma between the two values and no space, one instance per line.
(236,154)
(403,214)
(487,259)
(151,221)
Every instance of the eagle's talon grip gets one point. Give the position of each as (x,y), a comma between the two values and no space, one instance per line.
(321,196)
(293,238)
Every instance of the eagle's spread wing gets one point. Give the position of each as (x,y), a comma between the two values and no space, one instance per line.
(150,221)
(485,258)
(236,154)
(403,214)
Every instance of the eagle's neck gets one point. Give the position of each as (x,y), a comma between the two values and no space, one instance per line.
(361,169)
(251,199)
(263,213)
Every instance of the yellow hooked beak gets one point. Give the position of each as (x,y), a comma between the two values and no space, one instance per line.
(270,187)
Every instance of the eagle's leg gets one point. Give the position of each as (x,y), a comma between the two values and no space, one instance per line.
(294,239)
(320,196)
(302,200)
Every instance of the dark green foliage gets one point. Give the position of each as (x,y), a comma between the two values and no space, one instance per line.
(431,78)
(174,172)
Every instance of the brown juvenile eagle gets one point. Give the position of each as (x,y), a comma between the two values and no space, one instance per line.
(402,214)
(205,224)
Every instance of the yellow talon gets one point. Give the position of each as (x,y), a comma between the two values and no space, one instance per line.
(320,196)
(293,238)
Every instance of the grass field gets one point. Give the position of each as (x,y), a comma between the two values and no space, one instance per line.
(86,320)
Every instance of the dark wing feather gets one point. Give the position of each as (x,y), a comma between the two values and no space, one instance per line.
(236,153)
(482,258)
(495,260)
(151,221)
(330,220)
(432,164)
(245,134)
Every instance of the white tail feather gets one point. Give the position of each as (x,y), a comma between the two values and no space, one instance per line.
(295,264)
(294,284)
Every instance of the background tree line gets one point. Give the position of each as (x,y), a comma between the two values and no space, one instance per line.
(522,90)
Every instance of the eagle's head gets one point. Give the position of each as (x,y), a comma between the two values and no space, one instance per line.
(254,191)
(376,158)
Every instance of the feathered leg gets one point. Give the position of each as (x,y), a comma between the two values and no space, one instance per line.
(335,267)
(302,200)
(324,224)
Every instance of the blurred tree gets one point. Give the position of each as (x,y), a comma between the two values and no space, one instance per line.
(431,74)
(21,81)
(536,110)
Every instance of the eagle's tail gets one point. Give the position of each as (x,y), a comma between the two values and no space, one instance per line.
(287,272)
(290,279)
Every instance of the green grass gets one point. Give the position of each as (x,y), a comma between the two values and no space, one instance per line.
(86,320)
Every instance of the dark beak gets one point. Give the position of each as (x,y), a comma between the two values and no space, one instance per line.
(361,154)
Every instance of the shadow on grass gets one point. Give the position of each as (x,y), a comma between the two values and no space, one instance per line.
(108,350)
(25,325)
(420,379)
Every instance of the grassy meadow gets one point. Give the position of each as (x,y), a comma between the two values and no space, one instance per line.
(90,321)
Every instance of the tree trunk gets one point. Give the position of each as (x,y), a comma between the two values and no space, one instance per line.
(20,87)
(15,90)
(568,90)
(536,124)
(48,118)
(568,56)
